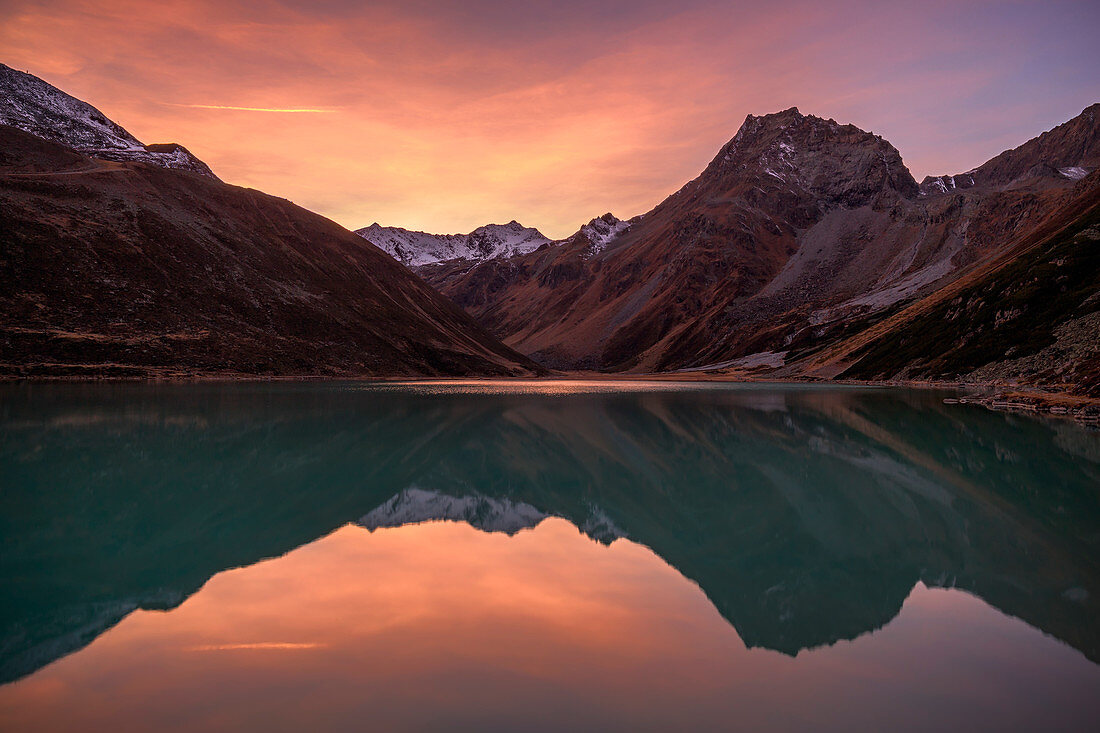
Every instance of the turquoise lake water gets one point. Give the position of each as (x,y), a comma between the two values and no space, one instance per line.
(543,556)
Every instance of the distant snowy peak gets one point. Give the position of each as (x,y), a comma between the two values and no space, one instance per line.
(945,184)
(602,230)
(504,240)
(32,105)
(484,243)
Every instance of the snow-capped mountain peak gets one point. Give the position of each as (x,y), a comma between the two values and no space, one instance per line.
(484,243)
(34,106)
(602,230)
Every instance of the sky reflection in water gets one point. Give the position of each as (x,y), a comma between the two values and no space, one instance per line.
(789,521)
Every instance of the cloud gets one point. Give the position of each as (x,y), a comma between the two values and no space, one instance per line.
(452,115)
(256,645)
(250,109)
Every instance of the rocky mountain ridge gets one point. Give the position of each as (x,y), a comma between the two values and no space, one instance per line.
(1032,317)
(798,231)
(114,267)
(487,242)
(1068,152)
(32,105)
(802,243)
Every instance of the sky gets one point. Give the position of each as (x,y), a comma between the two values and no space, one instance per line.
(441,115)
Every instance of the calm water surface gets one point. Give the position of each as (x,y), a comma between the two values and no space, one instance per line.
(543,556)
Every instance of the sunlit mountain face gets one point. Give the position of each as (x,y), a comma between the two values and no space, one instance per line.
(802,517)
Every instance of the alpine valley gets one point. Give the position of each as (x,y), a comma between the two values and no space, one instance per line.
(119,261)
(807,250)
(804,250)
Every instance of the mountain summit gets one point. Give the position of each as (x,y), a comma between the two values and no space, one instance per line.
(800,230)
(484,243)
(110,266)
(32,105)
(839,164)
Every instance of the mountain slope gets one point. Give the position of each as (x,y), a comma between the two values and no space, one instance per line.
(799,227)
(486,242)
(1033,318)
(128,269)
(32,105)
(1067,152)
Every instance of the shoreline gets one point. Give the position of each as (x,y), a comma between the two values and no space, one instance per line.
(1024,399)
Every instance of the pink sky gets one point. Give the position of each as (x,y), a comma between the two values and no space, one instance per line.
(443,116)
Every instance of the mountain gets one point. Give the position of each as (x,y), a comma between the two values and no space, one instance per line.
(32,105)
(1068,152)
(798,231)
(804,249)
(482,283)
(486,242)
(599,232)
(1030,317)
(128,269)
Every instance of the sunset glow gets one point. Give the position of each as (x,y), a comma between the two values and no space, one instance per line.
(444,116)
(419,622)
(250,109)
(549,365)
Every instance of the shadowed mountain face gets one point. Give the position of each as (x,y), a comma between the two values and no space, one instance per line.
(128,269)
(799,233)
(1035,318)
(806,515)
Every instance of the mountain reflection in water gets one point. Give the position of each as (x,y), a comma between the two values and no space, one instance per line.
(806,515)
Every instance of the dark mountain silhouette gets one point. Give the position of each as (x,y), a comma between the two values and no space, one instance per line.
(129,269)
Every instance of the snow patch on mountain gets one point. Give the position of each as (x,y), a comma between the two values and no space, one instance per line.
(484,243)
(779,155)
(602,230)
(1073,172)
(32,105)
(945,184)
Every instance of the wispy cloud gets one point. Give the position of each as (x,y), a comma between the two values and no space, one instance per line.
(251,109)
(255,645)
(440,116)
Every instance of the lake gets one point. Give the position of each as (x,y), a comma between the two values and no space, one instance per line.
(496,556)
